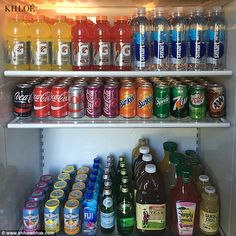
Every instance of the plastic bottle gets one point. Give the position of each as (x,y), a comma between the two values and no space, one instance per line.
(81,44)
(160,40)
(121,44)
(178,40)
(209,212)
(41,40)
(202,182)
(16,35)
(61,44)
(197,38)
(101,44)
(140,40)
(216,37)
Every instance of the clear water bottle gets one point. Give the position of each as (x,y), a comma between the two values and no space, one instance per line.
(197,40)
(178,40)
(216,40)
(140,40)
(159,40)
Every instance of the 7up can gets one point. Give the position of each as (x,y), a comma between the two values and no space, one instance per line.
(197,102)
(161,101)
(179,101)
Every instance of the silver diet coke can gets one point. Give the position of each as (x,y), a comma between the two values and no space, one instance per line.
(76,101)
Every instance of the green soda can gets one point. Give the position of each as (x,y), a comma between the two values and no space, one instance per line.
(161,101)
(197,102)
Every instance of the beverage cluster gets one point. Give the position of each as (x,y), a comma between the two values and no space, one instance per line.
(173,193)
(111,97)
(176,39)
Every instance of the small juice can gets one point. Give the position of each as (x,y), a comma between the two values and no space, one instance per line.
(83,170)
(81,178)
(76,194)
(60,184)
(64,177)
(71,170)
(58,194)
(79,186)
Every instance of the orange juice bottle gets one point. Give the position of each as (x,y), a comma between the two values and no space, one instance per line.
(40,44)
(17,43)
(61,44)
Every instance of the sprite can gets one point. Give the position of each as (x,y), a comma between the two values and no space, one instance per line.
(197,102)
(161,101)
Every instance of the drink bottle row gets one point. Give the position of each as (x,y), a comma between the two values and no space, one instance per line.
(180,39)
(111,97)
(173,192)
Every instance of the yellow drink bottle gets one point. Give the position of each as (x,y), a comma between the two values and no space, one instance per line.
(40,34)
(17,41)
(61,44)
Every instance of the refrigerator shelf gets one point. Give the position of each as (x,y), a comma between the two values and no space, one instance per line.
(10,73)
(118,122)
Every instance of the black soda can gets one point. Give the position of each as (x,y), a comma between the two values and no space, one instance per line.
(23,100)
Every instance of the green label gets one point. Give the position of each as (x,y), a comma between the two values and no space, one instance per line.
(127,222)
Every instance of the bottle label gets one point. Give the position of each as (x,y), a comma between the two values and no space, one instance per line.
(178,47)
(209,222)
(17,52)
(185,217)
(126,222)
(160,46)
(90,215)
(107,220)
(102,53)
(40,53)
(71,220)
(151,216)
(141,49)
(121,54)
(51,219)
(81,54)
(31,220)
(62,53)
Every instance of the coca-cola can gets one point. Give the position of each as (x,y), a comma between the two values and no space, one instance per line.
(42,100)
(23,100)
(76,101)
(59,101)
(111,100)
(94,100)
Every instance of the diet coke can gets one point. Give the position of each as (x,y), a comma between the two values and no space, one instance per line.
(94,100)
(59,101)
(23,100)
(111,100)
(76,101)
(42,100)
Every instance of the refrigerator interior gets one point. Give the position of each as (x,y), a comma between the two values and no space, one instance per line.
(28,153)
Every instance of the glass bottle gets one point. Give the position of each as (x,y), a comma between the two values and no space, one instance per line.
(135,151)
(203,181)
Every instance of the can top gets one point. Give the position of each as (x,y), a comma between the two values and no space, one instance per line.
(162,85)
(68,169)
(30,205)
(46,178)
(83,170)
(41,184)
(76,194)
(57,194)
(94,85)
(59,86)
(81,177)
(37,193)
(63,176)
(52,204)
(111,85)
(180,86)
(72,204)
(78,186)
(24,85)
(60,184)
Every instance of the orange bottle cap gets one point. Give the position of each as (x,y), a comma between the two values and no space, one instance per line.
(28,18)
(39,17)
(60,17)
(81,18)
(51,21)
(17,16)
(122,18)
(101,18)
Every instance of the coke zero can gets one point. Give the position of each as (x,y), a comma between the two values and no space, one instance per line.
(42,100)
(59,101)
(76,101)
(22,98)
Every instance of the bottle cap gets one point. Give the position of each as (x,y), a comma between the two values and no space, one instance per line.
(178,10)
(170,146)
(81,18)
(60,17)
(150,168)
(121,18)
(90,186)
(204,178)
(106,176)
(159,10)
(107,183)
(122,164)
(123,172)
(125,179)
(28,18)
(101,18)
(92,178)
(147,157)
(89,194)
(144,149)
(107,170)
(190,153)
(210,189)
(143,141)
(106,191)
(217,9)
(121,158)
(94,172)
(141,10)
(198,9)
(97,160)
(95,166)
(110,158)
(39,17)
(124,189)
(176,158)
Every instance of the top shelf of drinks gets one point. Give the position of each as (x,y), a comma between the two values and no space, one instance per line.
(180,40)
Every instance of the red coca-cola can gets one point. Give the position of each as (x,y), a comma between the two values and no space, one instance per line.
(94,100)
(111,100)
(59,101)
(42,100)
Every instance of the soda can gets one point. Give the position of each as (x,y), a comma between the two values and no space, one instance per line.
(94,100)
(64,176)
(43,186)
(81,178)
(60,184)
(76,101)
(216,101)
(38,196)
(145,101)
(42,100)
(79,186)
(76,194)
(52,216)
(83,170)
(162,101)
(71,217)
(31,222)
(33,82)
(70,169)
(59,101)
(23,100)
(58,194)
(179,101)
(127,100)
(48,179)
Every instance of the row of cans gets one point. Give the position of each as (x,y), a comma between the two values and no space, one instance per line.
(111,97)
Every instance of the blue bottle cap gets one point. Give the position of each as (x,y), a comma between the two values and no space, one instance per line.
(90,186)
(97,160)
(92,178)
(96,166)
(94,172)
(89,195)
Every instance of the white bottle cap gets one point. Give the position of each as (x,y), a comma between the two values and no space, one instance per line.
(141,10)
(147,157)
(150,168)
(144,149)
(178,10)
(217,9)
(204,178)
(159,10)
(198,9)
(210,189)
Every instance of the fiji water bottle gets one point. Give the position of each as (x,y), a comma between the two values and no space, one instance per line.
(178,40)
(197,40)
(159,40)
(216,40)
(140,40)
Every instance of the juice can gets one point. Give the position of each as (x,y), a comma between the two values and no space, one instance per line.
(71,217)
(83,170)
(81,178)
(58,194)
(64,176)
(48,179)
(76,194)
(60,184)
(52,216)
(79,186)
(128,100)
(145,101)
(70,169)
